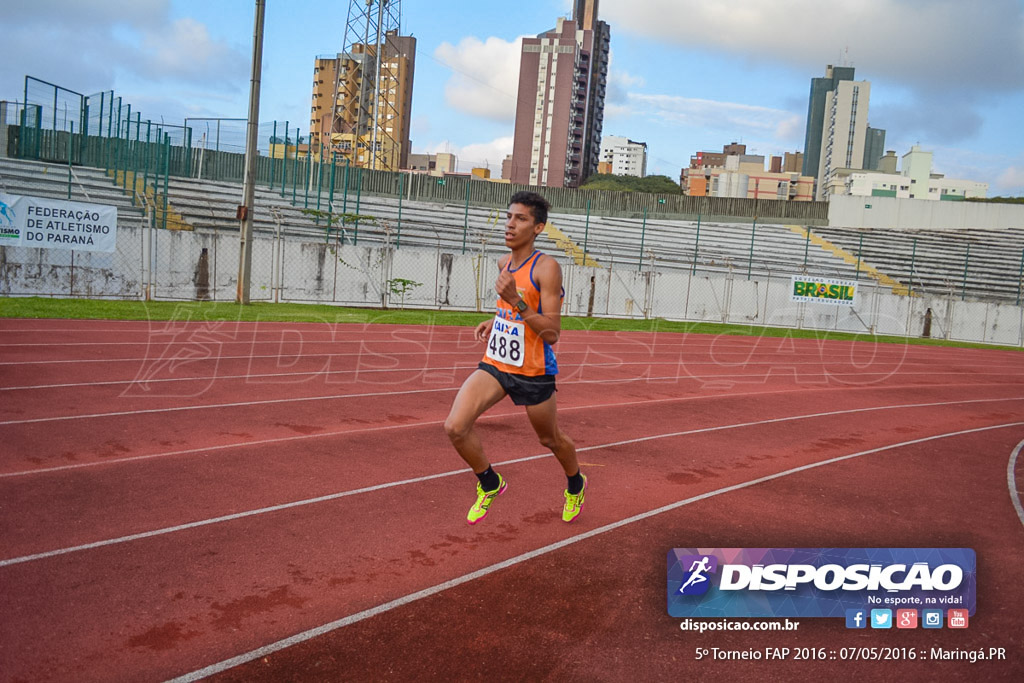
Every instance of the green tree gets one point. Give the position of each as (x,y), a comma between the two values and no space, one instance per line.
(654,184)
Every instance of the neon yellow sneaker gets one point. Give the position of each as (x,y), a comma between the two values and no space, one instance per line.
(483,501)
(574,503)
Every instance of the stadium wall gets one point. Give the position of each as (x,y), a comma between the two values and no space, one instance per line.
(846,211)
(150,263)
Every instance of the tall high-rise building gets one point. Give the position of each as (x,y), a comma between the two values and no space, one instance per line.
(362,98)
(874,148)
(820,87)
(560,107)
(837,124)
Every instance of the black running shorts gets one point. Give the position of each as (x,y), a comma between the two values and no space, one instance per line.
(523,390)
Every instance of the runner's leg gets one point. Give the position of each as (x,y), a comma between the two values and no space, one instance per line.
(479,392)
(544,419)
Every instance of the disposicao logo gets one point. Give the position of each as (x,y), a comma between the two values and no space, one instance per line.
(817,582)
(696,581)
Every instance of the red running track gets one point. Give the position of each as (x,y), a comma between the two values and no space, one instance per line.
(279,501)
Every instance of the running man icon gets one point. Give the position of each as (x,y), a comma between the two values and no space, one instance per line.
(697,571)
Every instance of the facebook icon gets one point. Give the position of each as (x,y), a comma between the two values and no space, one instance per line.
(856,618)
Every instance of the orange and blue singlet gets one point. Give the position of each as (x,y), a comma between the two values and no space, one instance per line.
(513,346)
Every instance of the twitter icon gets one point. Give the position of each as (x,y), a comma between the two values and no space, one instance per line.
(881,618)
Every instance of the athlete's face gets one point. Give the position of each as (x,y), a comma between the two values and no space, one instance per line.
(521,227)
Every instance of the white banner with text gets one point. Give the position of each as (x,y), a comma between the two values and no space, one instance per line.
(57,224)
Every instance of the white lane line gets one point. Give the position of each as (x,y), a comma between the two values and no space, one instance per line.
(240,404)
(891,351)
(1011,481)
(700,378)
(488,416)
(533,554)
(563,366)
(378,487)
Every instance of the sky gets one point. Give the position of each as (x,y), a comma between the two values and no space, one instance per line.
(685,75)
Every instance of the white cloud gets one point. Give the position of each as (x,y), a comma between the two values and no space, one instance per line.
(112,41)
(86,14)
(184,51)
(791,129)
(485,81)
(729,117)
(1010,182)
(938,45)
(477,154)
(620,82)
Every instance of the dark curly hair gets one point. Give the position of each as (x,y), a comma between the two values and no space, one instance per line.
(538,205)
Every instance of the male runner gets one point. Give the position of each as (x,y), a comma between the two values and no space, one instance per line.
(518,360)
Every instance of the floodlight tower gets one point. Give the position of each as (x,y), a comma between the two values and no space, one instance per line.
(372,92)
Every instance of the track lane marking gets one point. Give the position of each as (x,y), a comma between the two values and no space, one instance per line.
(318,631)
(488,416)
(1011,481)
(333,397)
(450,473)
(650,363)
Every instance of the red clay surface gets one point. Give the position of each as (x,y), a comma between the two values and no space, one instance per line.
(176,495)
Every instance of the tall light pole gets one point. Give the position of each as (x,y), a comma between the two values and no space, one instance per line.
(245,210)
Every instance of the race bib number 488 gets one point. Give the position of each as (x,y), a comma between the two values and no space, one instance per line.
(506,342)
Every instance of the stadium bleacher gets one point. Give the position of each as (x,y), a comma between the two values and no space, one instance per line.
(935,261)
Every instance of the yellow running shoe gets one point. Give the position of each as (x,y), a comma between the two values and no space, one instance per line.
(484,500)
(574,503)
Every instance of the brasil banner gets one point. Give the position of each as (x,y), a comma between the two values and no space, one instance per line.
(823,290)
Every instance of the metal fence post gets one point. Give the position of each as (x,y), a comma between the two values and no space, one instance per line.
(135,155)
(344,202)
(860,249)
(124,152)
(913,256)
(643,235)
(295,164)
(167,172)
(465,220)
(967,260)
(401,186)
(308,174)
(359,200)
(69,157)
(750,258)
(284,160)
(103,97)
(319,180)
(145,157)
(807,244)
(273,163)
(586,234)
(696,244)
(188,149)
(1020,276)
(330,198)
